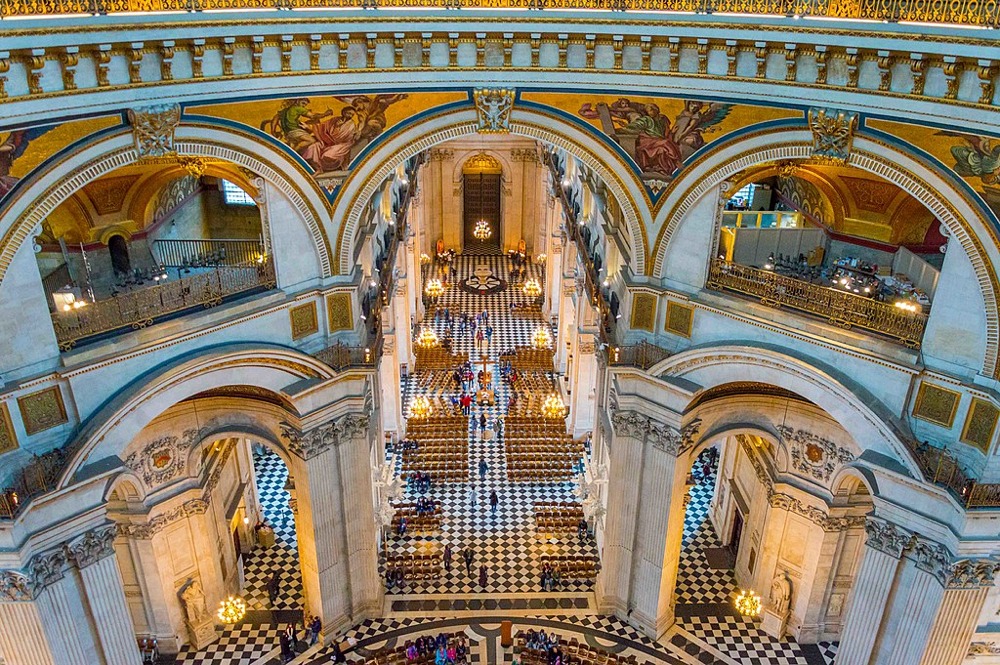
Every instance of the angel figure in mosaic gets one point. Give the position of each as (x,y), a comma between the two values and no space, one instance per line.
(980,156)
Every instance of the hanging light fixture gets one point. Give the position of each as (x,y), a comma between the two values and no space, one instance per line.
(232,610)
(747,603)
(532,288)
(427,339)
(553,407)
(421,407)
(482,232)
(541,338)
(434,288)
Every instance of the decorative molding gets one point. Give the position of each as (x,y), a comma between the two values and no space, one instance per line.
(42,410)
(303,320)
(15,586)
(321,438)
(980,424)
(886,537)
(936,404)
(153,129)
(92,546)
(971,573)
(338,307)
(983,649)
(163,459)
(493,107)
(8,439)
(931,557)
(812,454)
(158,523)
(833,134)
(48,567)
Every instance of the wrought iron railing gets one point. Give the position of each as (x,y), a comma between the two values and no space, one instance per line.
(840,308)
(140,308)
(341,356)
(642,355)
(940,467)
(40,475)
(962,12)
(207,253)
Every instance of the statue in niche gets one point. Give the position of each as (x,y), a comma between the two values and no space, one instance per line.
(781,594)
(194,603)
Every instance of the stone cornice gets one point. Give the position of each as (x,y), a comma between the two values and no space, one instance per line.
(161,521)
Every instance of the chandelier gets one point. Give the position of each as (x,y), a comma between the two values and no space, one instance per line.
(747,603)
(541,338)
(232,610)
(427,339)
(553,407)
(532,288)
(434,288)
(421,407)
(424,259)
(482,231)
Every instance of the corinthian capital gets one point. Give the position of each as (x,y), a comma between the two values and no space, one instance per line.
(972,573)
(886,536)
(48,567)
(631,424)
(354,426)
(92,546)
(15,586)
(307,445)
(931,557)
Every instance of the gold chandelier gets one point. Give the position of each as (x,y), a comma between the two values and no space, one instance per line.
(427,339)
(421,407)
(434,288)
(747,603)
(553,407)
(541,338)
(232,610)
(532,288)
(482,231)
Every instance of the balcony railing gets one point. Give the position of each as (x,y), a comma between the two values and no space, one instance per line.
(141,308)
(341,356)
(963,12)
(940,467)
(642,355)
(207,253)
(840,308)
(39,476)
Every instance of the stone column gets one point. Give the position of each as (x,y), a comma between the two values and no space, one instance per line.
(23,639)
(582,411)
(870,594)
(966,587)
(915,601)
(93,554)
(60,602)
(553,277)
(389,382)
(359,516)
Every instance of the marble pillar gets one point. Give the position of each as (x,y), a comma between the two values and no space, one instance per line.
(389,382)
(871,591)
(22,638)
(359,517)
(966,587)
(553,277)
(93,555)
(584,385)
(70,633)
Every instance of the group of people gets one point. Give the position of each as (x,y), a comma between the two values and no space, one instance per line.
(288,639)
(518,265)
(446,651)
(550,578)
(419,482)
(539,640)
(425,506)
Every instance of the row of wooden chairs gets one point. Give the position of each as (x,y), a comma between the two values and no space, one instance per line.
(526,358)
(416,566)
(397,656)
(547,475)
(434,461)
(449,475)
(437,358)
(412,506)
(417,523)
(573,653)
(572,567)
(527,311)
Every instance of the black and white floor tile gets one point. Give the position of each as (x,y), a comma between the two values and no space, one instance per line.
(506,542)
(238,645)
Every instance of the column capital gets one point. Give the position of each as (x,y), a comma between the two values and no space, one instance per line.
(92,546)
(662,436)
(886,537)
(48,567)
(319,439)
(972,573)
(930,557)
(16,586)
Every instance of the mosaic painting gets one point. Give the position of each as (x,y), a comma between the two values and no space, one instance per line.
(21,150)
(660,134)
(975,158)
(329,132)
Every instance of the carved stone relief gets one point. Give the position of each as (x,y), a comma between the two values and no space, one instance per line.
(812,454)
(163,459)
(153,129)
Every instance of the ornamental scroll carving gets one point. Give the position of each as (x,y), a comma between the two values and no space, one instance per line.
(158,523)
(48,567)
(493,106)
(931,557)
(92,546)
(323,437)
(971,573)
(812,454)
(153,129)
(886,537)
(15,586)
(164,459)
(663,437)
(833,134)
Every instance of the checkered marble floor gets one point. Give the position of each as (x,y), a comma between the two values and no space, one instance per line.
(505,543)
(283,557)
(238,645)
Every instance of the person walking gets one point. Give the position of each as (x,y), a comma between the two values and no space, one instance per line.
(482,575)
(482,423)
(286,649)
(447,557)
(467,555)
(483,468)
(273,586)
(494,502)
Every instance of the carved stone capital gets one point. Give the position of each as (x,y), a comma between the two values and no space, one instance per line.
(307,445)
(354,426)
(665,438)
(48,567)
(886,537)
(15,586)
(971,573)
(153,129)
(92,546)
(631,424)
(931,557)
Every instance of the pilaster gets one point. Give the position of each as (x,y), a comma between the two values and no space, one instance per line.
(966,586)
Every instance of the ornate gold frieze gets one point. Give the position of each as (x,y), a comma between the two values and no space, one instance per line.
(680,318)
(493,106)
(833,134)
(303,320)
(42,410)
(643,312)
(338,307)
(980,424)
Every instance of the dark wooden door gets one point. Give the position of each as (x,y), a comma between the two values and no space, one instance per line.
(737,532)
(481,202)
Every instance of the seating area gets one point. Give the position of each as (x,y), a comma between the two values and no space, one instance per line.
(557,518)
(540,450)
(414,566)
(437,358)
(570,652)
(423,651)
(526,311)
(442,449)
(530,359)
(572,567)
(418,522)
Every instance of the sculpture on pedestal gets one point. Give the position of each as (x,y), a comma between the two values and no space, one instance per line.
(775,616)
(201,626)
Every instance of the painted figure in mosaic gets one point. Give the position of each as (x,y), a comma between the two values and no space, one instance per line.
(11,148)
(980,156)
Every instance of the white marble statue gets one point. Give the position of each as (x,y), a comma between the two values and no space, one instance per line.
(194,603)
(781,594)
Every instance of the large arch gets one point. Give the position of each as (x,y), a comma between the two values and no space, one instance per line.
(860,418)
(57,180)
(960,214)
(376,166)
(111,429)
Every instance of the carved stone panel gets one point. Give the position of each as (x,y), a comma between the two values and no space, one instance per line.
(8,440)
(643,311)
(163,459)
(42,410)
(303,320)
(153,129)
(493,106)
(833,134)
(814,455)
(338,307)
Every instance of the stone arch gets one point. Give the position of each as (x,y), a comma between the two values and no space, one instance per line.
(859,415)
(44,189)
(378,165)
(109,431)
(962,216)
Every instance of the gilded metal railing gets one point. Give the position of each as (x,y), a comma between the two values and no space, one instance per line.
(197,253)
(642,355)
(963,12)
(141,308)
(838,307)
(940,467)
(340,356)
(40,475)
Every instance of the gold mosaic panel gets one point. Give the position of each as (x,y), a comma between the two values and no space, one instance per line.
(8,440)
(304,320)
(338,306)
(643,311)
(680,318)
(980,423)
(936,404)
(42,410)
